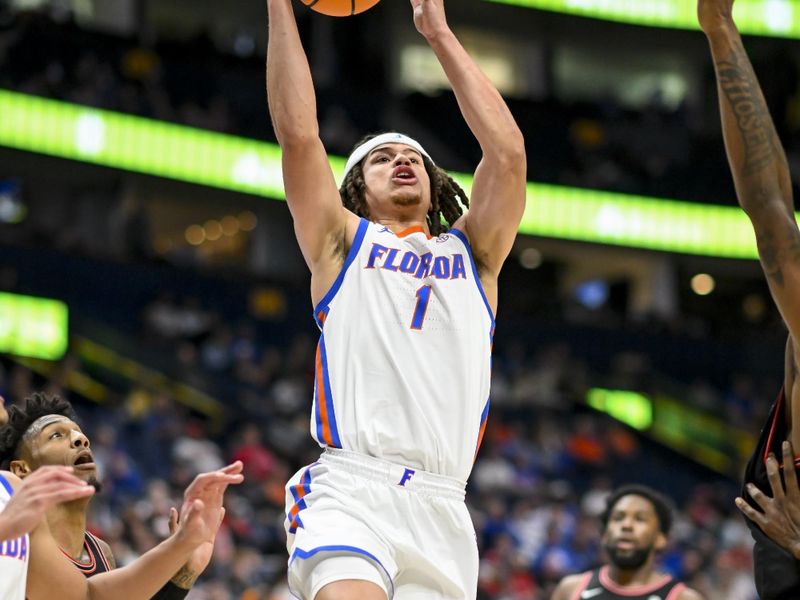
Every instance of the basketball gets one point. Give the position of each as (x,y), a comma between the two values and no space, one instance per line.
(340,8)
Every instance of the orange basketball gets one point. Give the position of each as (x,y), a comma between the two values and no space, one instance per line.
(340,8)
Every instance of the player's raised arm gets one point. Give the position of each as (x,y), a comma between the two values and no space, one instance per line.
(200,517)
(498,191)
(311,191)
(756,158)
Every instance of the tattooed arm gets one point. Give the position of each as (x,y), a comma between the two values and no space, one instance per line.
(761,175)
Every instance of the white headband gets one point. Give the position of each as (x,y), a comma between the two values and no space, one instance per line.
(39,424)
(385,138)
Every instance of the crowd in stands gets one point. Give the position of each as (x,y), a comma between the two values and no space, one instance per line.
(535,494)
(537,489)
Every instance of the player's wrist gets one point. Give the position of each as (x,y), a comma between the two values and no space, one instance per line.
(185,578)
(182,544)
(437,35)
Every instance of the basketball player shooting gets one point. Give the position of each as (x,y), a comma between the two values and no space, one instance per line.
(764,189)
(404,285)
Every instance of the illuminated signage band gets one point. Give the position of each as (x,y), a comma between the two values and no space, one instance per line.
(244,165)
(774,18)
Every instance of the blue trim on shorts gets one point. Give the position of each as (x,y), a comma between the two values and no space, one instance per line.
(6,485)
(300,503)
(303,554)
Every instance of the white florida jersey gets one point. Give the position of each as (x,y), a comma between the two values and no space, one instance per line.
(13,556)
(403,363)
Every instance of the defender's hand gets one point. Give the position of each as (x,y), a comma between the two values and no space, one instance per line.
(429,17)
(199,558)
(202,511)
(780,515)
(714,14)
(38,493)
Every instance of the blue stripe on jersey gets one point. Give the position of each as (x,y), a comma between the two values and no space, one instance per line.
(351,256)
(304,554)
(460,235)
(5,484)
(326,383)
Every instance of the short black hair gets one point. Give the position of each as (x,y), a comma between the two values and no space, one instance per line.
(20,418)
(662,505)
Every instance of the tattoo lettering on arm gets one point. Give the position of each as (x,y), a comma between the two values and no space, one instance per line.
(185,578)
(740,86)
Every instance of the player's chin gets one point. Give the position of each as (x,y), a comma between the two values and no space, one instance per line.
(406,201)
(95,483)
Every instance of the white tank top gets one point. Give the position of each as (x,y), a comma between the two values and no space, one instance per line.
(13,556)
(403,363)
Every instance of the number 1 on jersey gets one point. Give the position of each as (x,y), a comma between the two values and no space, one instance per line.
(423,298)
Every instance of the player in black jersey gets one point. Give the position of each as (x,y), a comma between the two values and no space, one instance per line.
(636,526)
(44,432)
(764,190)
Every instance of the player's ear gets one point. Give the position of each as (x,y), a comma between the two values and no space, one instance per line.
(661,541)
(604,537)
(20,468)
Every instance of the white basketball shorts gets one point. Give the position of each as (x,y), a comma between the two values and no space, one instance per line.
(410,529)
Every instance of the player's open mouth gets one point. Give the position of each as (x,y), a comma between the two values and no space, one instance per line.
(84,461)
(403,175)
(625,545)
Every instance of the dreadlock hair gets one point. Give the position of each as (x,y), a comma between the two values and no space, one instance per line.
(447,197)
(37,405)
(661,504)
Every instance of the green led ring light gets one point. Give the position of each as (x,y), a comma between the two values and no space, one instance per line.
(774,18)
(242,165)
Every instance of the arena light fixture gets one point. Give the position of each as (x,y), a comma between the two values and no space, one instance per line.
(233,163)
(631,408)
(773,18)
(33,327)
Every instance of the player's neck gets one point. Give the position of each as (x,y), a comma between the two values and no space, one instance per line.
(401,224)
(644,575)
(67,524)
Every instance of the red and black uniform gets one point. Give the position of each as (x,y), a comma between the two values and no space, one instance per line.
(777,572)
(598,585)
(97,563)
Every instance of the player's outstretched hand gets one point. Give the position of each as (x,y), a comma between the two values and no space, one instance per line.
(200,557)
(38,493)
(202,511)
(713,14)
(780,515)
(429,17)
